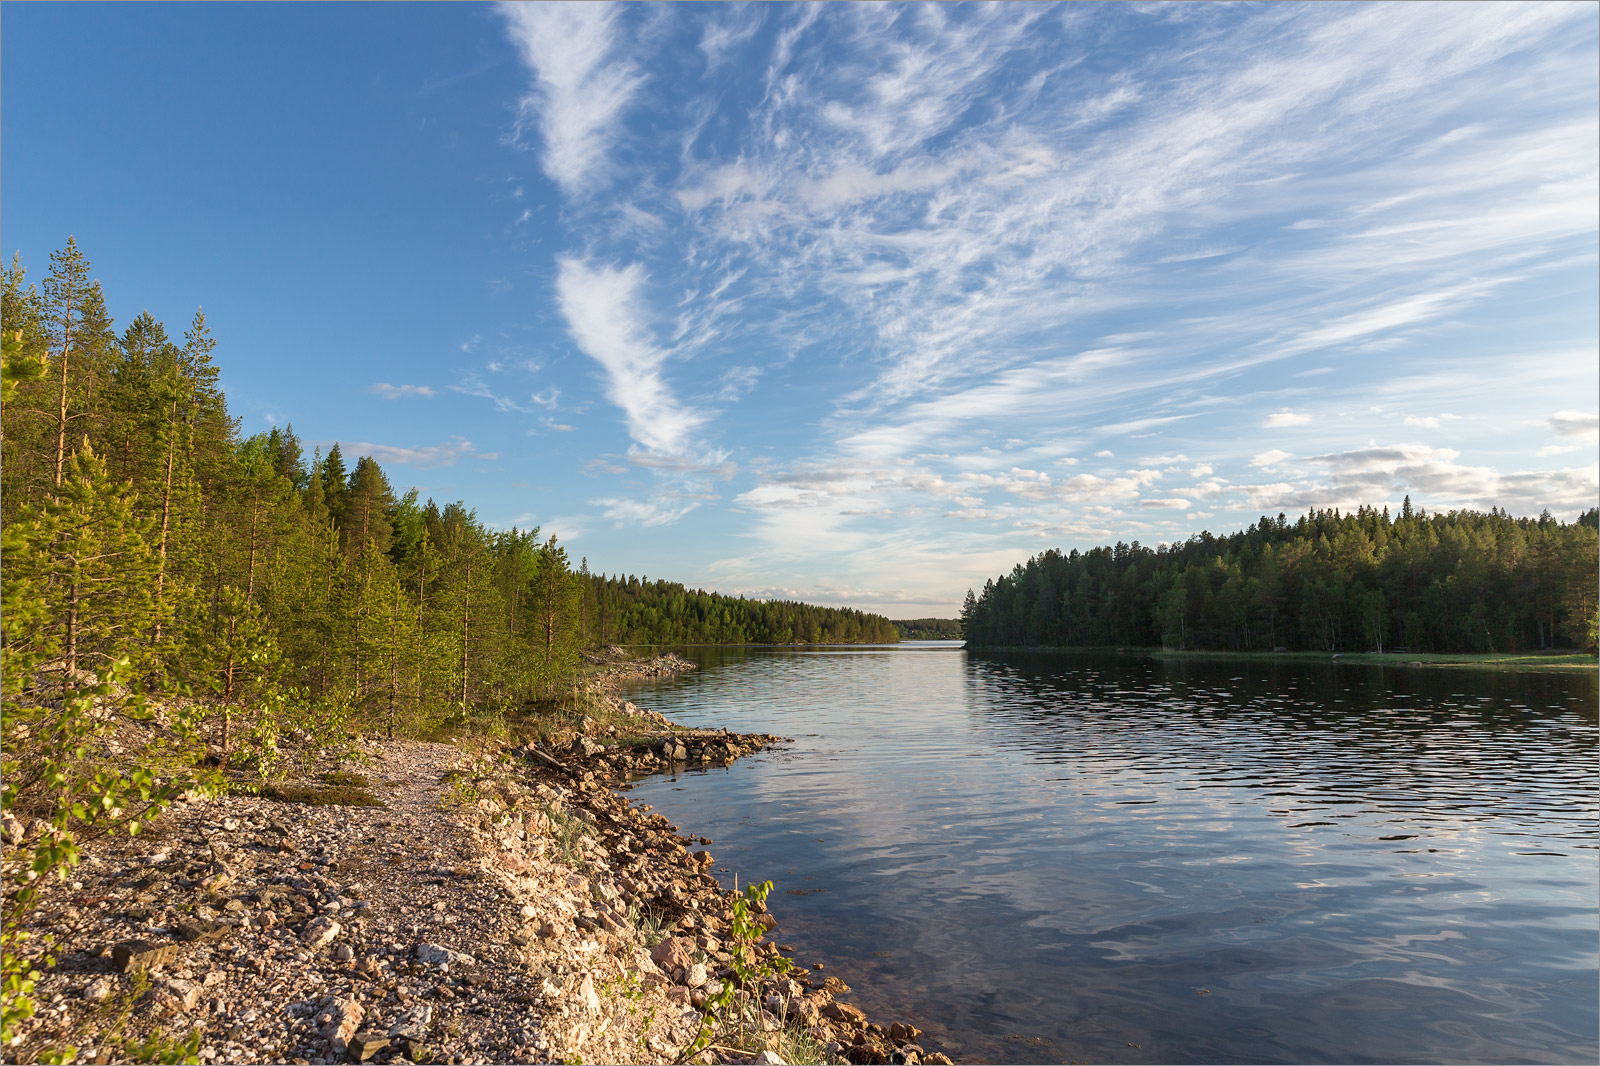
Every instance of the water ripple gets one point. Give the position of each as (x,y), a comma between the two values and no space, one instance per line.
(1043,858)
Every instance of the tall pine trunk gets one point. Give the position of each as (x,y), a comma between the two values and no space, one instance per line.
(166,516)
(422,585)
(61,421)
(466,617)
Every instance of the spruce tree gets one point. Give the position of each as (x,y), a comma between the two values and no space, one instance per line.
(335,488)
(553,606)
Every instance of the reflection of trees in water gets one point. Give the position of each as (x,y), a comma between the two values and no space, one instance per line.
(1032,848)
(1477,745)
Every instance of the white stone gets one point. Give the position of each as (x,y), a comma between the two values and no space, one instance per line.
(587,997)
(320,932)
(438,954)
(100,990)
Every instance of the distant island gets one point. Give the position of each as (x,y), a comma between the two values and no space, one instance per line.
(1366,581)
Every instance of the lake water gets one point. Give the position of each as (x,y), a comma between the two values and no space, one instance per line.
(1117,859)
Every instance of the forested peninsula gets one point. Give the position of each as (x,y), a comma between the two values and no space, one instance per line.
(1458,581)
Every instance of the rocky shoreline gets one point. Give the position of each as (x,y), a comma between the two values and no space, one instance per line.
(612,666)
(434,903)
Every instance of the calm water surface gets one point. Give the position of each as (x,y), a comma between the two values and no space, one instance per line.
(1053,859)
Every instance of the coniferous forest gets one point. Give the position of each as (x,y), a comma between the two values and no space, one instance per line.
(1462,581)
(142,526)
(630,610)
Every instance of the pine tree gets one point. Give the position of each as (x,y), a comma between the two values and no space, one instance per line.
(91,554)
(65,292)
(367,508)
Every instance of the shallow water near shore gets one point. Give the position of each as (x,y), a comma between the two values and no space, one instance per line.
(1044,858)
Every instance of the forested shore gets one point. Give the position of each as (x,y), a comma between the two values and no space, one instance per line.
(186,607)
(142,525)
(1368,581)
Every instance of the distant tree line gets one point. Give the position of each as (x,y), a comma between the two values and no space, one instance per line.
(633,610)
(929,628)
(1459,581)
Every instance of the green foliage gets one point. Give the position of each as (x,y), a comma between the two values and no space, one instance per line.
(87,557)
(567,830)
(160,1048)
(648,923)
(553,616)
(1464,581)
(107,1025)
(55,733)
(460,791)
(732,1014)
(17,366)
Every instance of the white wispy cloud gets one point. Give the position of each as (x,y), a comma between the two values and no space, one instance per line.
(634,512)
(1280,419)
(1576,424)
(1386,472)
(1429,421)
(738,380)
(990,262)
(736,26)
(395,392)
(580,86)
(604,312)
(474,385)
(447,453)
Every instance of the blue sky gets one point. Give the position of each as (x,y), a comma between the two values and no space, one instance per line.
(853,303)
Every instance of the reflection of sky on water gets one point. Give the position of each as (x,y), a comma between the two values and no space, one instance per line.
(1069,850)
